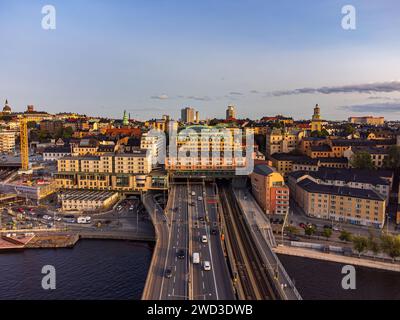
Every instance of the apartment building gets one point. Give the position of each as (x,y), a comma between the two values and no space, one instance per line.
(154,144)
(283,140)
(79,200)
(339,203)
(352,178)
(7,141)
(378,155)
(56,152)
(125,172)
(203,148)
(269,189)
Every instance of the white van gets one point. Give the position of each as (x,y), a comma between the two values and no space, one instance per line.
(196,258)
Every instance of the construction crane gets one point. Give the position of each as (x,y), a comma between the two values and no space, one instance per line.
(23,126)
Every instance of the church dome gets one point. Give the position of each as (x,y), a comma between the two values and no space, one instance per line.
(7,108)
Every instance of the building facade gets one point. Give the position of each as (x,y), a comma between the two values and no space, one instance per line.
(269,189)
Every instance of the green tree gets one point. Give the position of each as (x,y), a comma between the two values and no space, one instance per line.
(345,235)
(373,244)
(392,161)
(361,160)
(309,230)
(291,229)
(360,244)
(391,245)
(348,129)
(327,233)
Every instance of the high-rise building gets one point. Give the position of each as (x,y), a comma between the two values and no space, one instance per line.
(197,118)
(188,115)
(230,112)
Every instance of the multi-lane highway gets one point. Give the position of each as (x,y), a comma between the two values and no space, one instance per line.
(216,283)
(173,274)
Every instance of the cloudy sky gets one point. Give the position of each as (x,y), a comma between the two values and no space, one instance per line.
(153,57)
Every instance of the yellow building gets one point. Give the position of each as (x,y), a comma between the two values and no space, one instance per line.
(283,140)
(375,121)
(79,200)
(316,122)
(208,148)
(123,172)
(340,203)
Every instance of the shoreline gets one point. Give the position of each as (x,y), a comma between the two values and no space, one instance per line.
(65,240)
(331,257)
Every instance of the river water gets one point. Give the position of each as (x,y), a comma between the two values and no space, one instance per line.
(317,279)
(103,269)
(93,269)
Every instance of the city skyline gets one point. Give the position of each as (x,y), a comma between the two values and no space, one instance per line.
(153,59)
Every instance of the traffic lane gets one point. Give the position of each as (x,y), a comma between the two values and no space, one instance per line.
(169,283)
(177,283)
(210,290)
(201,288)
(224,280)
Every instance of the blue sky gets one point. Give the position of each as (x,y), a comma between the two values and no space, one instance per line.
(153,57)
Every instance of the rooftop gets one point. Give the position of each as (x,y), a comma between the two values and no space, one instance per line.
(311,186)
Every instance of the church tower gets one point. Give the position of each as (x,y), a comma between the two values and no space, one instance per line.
(125,119)
(316,122)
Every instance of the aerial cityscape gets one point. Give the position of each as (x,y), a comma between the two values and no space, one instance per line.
(207,162)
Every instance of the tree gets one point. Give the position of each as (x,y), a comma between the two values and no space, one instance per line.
(345,235)
(327,233)
(392,161)
(361,160)
(309,230)
(373,244)
(291,229)
(391,245)
(360,244)
(348,129)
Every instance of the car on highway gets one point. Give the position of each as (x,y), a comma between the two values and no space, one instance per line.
(193,193)
(196,258)
(214,231)
(200,198)
(201,218)
(204,239)
(181,254)
(168,273)
(206,265)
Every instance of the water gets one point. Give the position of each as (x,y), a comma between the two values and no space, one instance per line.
(103,269)
(316,279)
(93,269)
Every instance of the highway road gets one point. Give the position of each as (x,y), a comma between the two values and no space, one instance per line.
(184,231)
(176,287)
(214,284)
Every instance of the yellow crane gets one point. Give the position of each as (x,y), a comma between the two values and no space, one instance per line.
(23,126)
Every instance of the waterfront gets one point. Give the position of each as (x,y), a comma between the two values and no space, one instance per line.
(93,269)
(316,279)
(108,269)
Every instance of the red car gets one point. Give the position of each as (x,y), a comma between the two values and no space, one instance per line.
(302,225)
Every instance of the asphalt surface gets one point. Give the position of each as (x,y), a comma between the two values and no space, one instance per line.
(189,280)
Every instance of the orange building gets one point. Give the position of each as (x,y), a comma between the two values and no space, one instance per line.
(269,189)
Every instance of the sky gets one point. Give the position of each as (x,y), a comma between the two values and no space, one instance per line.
(154,57)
